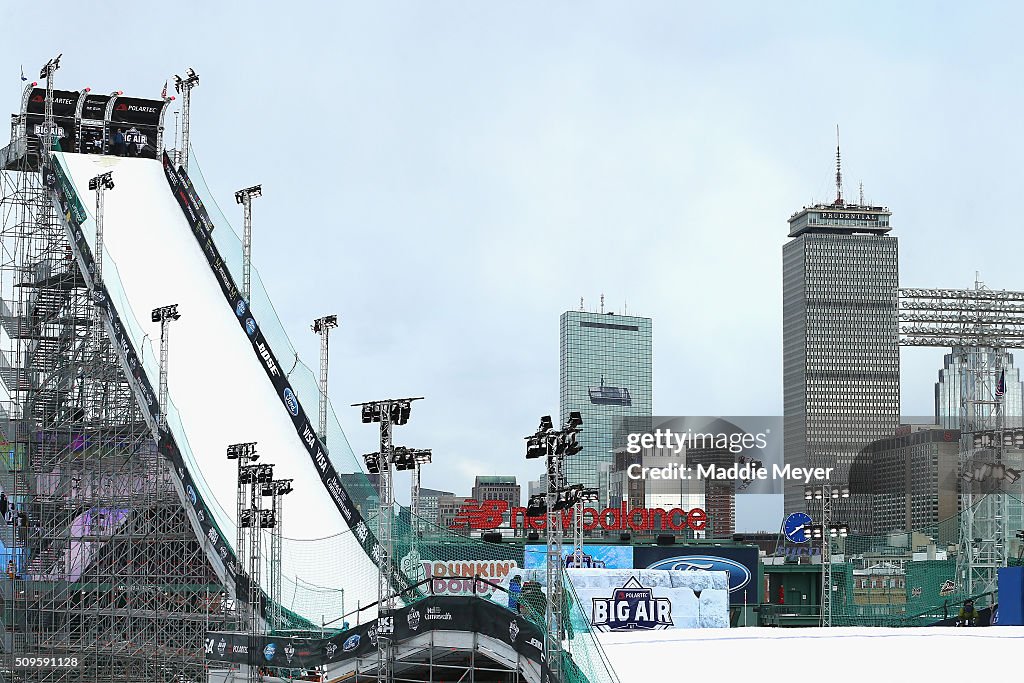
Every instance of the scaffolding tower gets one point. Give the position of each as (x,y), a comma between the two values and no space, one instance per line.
(103,566)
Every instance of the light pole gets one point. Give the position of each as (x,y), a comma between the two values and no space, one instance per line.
(99,184)
(826,531)
(184,86)
(50,126)
(255,518)
(323,327)
(244,453)
(389,412)
(164,315)
(245,197)
(276,490)
(555,445)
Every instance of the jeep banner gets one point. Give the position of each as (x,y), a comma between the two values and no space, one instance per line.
(434,613)
(199,220)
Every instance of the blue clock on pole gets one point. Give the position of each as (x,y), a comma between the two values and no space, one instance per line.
(796,526)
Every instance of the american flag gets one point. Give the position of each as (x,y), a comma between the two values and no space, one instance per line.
(23,74)
(1001,384)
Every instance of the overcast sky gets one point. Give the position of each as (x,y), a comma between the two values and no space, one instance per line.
(449,177)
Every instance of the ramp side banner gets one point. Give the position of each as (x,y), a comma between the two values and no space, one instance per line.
(435,613)
(202,227)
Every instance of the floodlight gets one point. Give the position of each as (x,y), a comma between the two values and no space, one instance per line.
(535,447)
(537,506)
(166,313)
(325,323)
(254,191)
(571,446)
(267,519)
(546,425)
(370,413)
(372,461)
(808,493)
(400,412)
(575,420)
(103,180)
(244,451)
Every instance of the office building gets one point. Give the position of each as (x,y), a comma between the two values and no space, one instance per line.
(448,508)
(961,362)
(497,488)
(429,503)
(605,374)
(914,483)
(840,341)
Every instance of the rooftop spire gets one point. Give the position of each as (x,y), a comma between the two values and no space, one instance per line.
(839,172)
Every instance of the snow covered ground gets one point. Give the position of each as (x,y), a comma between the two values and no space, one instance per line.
(765,655)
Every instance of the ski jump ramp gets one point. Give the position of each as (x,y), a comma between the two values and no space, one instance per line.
(162,245)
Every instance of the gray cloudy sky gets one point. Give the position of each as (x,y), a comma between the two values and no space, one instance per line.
(449,177)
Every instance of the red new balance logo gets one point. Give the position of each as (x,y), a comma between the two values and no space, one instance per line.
(489,514)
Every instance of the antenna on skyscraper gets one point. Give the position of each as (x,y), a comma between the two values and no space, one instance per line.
(581,304)
(839,172)
(602,303)
(862,193)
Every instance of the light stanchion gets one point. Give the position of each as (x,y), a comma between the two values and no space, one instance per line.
(555,445)
(825,494)
(389,413)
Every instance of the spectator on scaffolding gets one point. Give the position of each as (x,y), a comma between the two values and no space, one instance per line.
(11,571)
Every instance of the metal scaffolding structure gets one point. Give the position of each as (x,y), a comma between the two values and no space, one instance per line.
(978,324)
(104,566)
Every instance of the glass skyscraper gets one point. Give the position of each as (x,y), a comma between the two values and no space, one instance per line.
(605,374)
(841,367)
(958,364)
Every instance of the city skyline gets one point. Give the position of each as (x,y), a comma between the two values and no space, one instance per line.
(583,153)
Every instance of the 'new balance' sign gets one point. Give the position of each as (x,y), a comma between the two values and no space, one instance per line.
(492,514)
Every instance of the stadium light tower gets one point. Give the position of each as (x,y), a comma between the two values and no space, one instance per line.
(99,184)
(826,531)
(244,453)
(49,126)
(164,315)
(276,490)
(245,197)
(254,518)
(184,86)
(555,445)
(389,412)
(323,327)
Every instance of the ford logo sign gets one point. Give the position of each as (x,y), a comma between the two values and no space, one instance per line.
(250,326)
(739,576)
(269,650)
(290,402)
(351,644)
(240,308)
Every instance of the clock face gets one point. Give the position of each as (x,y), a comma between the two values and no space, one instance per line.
(795,527)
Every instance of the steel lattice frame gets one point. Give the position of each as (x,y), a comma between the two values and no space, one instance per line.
(979,325)
(108,568)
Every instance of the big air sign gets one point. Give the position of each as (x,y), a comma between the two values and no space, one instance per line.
(631,607)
